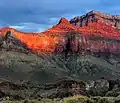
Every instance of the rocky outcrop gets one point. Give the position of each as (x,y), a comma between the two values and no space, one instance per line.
(9,42)
(61,89)
(62,28)
(95,16)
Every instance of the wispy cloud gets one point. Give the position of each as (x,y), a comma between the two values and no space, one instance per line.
(30,27)
(18,27)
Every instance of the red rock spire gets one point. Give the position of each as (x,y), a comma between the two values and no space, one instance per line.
(63,20)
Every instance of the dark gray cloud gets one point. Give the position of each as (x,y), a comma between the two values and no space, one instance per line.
(37,15)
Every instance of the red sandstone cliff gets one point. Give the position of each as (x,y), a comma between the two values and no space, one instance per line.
(93,36)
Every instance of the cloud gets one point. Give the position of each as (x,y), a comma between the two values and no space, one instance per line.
(30,27)
(38,15)
(18,27)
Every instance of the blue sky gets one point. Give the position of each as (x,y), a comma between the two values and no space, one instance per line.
(38,15)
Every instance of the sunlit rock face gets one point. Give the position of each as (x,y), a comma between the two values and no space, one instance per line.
(93,32)
(36,42)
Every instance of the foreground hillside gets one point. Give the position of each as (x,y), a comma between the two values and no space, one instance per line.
(99,89)
(74,99)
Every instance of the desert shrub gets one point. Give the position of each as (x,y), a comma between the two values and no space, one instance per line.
(76,99)
(98,91)
(117,99)
(103,99)
(113,93)
(13,102)
(32,101)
